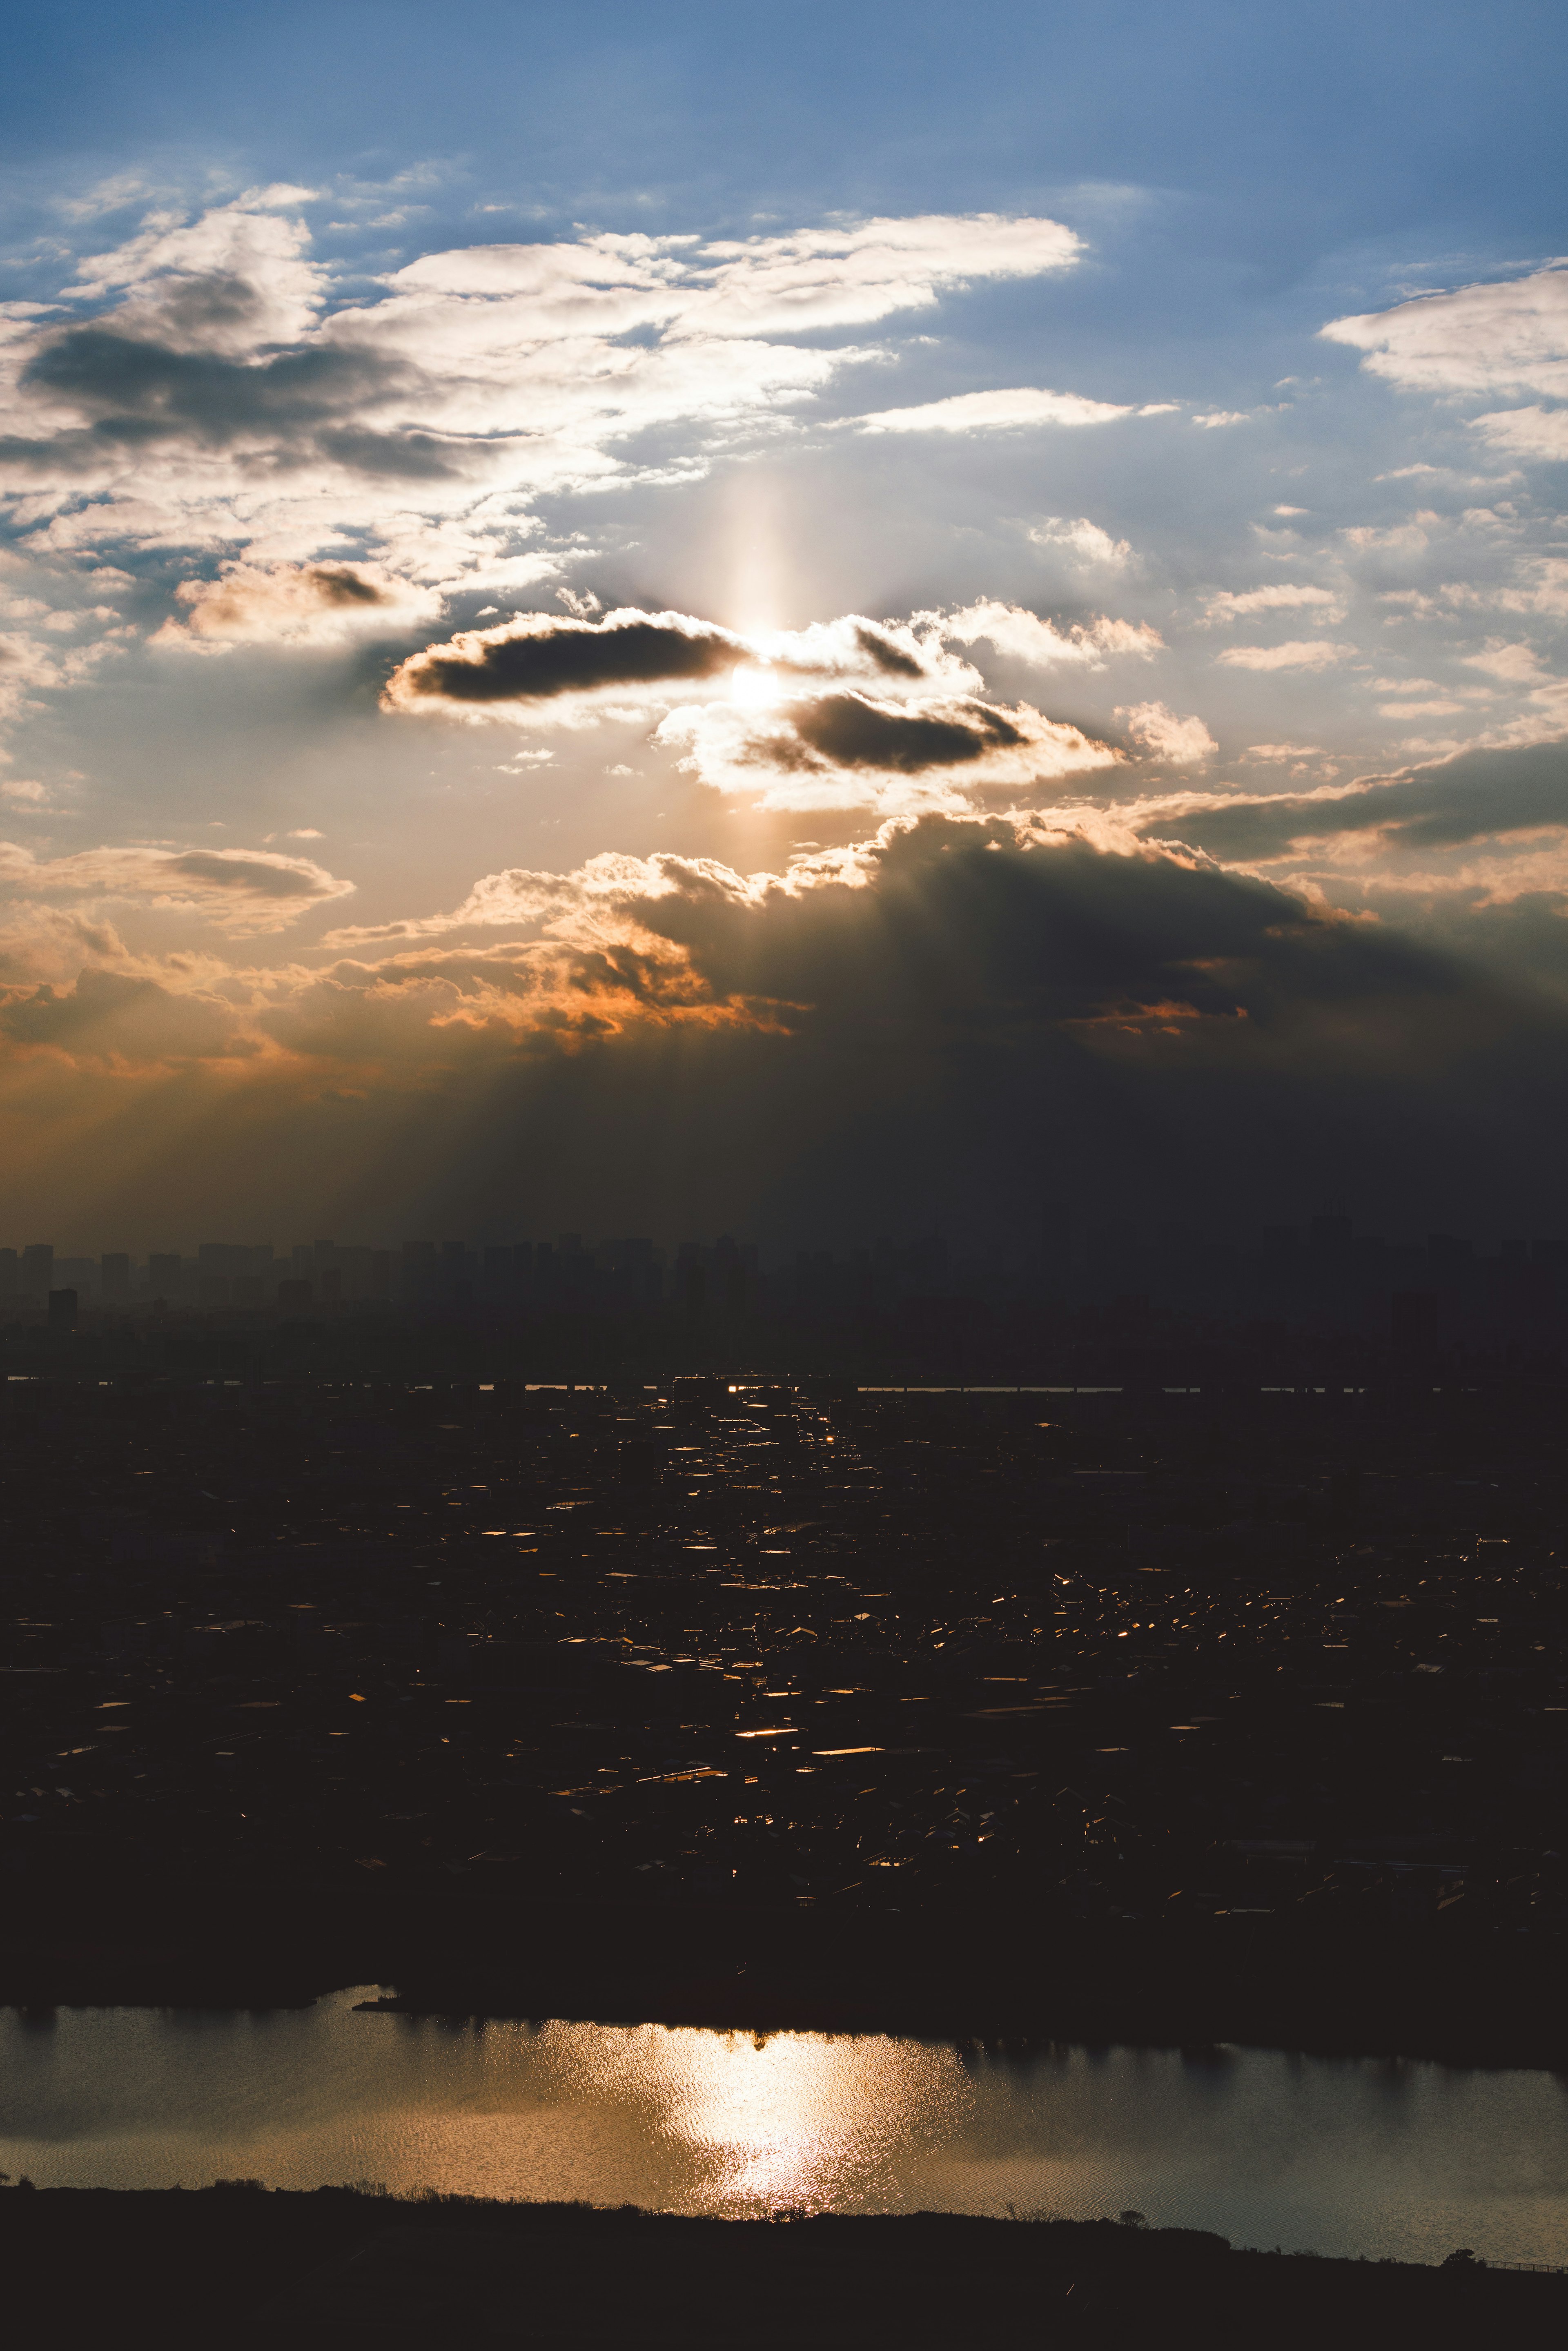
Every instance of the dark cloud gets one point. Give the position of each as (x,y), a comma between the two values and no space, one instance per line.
(892,658)
(112,1014)
(849,731)
(957,1029)
(1477,796)
(539,657)
(335,583)
(957,927)
(134,392)
(973,1028)
(253,877)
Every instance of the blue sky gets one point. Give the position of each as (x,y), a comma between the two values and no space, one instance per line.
(1176,394)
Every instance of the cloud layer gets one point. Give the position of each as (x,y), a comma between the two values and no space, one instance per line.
(849,713)
(206,384)
(236,890)
(956,1008)
(1259,874)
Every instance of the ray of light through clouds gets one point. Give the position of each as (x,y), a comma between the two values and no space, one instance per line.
(681,619)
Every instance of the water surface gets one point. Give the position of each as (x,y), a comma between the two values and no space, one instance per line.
(1346,2157)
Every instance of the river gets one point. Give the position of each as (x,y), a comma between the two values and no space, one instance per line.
(1338,2156)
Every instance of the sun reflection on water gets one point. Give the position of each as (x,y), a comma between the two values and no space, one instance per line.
(790,2120)
(1347,2156)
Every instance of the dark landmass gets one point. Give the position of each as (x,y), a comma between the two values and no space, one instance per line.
(992,1976)
(1214,1713)
(237,2264)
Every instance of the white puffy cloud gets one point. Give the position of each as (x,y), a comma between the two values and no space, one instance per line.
(296,604)
(30,664)
(1538,584)
(204,386)
(1164,735)
(1526,432)
(1023,636)
(233,281)
(1298,653)
(1282,596)
(1514,663)
(1083,539)
(1512,334)
(987,412)
(864,271)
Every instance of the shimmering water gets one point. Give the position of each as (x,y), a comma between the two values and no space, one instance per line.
(1344,2156)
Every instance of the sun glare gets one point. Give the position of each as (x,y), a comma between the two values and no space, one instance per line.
(754,689)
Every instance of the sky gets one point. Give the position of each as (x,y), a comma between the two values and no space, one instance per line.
(813,622)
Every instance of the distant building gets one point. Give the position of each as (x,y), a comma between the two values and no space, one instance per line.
(1413,1321)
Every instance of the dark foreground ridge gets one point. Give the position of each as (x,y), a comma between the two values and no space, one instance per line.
(239,2265)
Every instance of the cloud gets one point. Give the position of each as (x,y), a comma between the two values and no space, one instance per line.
(234,280)
(1526,432)
(1512,334)
(1515,663)
(1540,584)
(863,750)
(846,712)
(236,890)
(1298,653)
(934,1012)
(1084,539)
(987,412)
(851,730)
(109,1016)
(1024,636)
(205,384)
(30,666)
(1283,596)
(1181,742)
(539,657)
(854,274)
(1038,912)
(1438,708)
(1477,795)
(296,604)
(951,1004)
(1218,417)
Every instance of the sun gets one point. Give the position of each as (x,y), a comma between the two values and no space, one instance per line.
(755,688)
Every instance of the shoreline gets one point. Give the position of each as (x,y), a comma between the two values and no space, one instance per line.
(249,2265)
(1009,1977)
